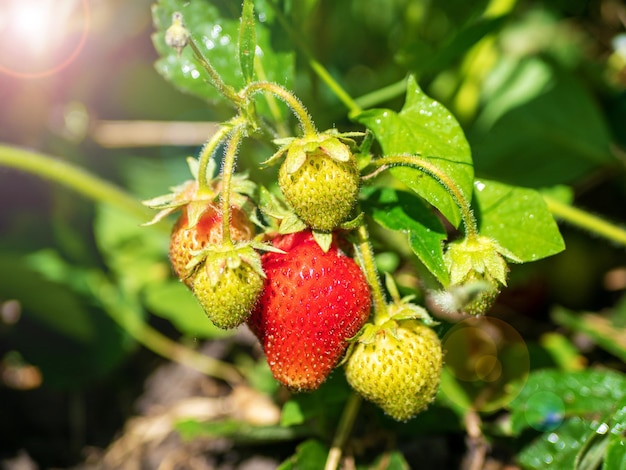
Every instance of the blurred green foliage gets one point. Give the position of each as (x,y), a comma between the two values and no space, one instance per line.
(537,88)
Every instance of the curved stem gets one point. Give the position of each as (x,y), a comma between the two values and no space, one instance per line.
(418,163)
(368,264)
(124,312)
(73,177)
(306,123)
(205,157)
(585,220)
(344,428)
(226,90)
(228,168)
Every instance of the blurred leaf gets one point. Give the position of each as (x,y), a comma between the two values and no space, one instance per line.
(60,331)
(49,303)
(404,212)
(136,254)
(390,461)
(173,301)
(241,432)
(426,128)
(216,37)
(550,395)
(580,443)
(310,455)
(291,414)
(539,126)
(557,449)
(518,219)
(602,329)
(247,41)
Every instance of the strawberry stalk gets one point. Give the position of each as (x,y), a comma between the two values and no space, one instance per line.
(228,168)
(204,179)
(296,106)
(418,163)
(344,428)
(368,265)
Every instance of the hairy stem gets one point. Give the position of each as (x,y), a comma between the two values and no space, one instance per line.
(585,220)
(73,177)
(205,157)
(306,123)
(344,428)
(419,163)
(368,264)
(228,168)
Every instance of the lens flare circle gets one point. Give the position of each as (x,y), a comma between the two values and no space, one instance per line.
(489,359)
(34,28)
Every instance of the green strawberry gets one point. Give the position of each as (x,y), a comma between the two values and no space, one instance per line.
(397,366)
(312,303)
(227,284)
(319,179)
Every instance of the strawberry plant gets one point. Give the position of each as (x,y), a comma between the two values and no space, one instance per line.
(360,257)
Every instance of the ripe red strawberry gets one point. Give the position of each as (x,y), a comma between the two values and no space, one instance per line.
(312,302)
(186,240)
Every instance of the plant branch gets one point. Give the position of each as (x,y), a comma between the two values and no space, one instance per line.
(423,165)
(207,153)
(344,429)
(228,168)
(585,220)
(123,312)
(306,123)
(368,264)
(73,177)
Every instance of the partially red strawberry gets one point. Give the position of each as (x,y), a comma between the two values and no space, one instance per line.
(312,302)
(186,240)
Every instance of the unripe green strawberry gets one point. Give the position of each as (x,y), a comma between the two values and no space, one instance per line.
(227,284)
(397,366)
(312,303)
(188,240)
(322,191)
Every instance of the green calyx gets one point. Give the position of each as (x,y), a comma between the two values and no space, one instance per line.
(478,271)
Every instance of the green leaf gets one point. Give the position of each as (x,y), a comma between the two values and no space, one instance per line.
(550,395)
(291,414)
(247,41)
(580,443)
(531,132)
(402,211)
(607,331)
(392,461)
(173,301)
(518,219)
(557,449)
(310,455)
(427,128)
(216,37)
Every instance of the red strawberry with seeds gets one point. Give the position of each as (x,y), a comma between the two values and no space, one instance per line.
(312,302)
(187,240)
